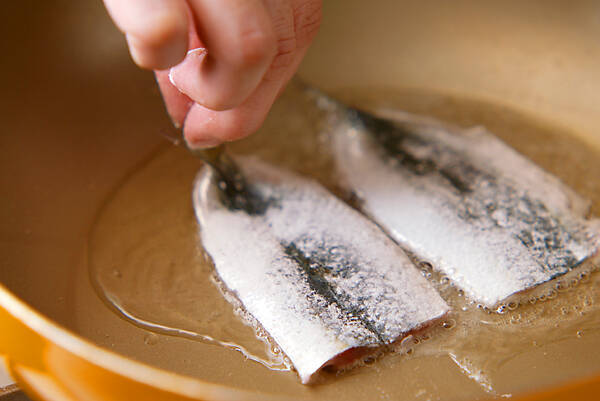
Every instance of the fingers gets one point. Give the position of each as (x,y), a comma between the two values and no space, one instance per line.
(304,20)
(223,94)
(296,24)
(178,105)
(156,30)
(206,128)
(240,45)
(307,20)
(242,52)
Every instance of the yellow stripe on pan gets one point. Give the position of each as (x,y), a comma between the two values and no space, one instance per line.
(51,364)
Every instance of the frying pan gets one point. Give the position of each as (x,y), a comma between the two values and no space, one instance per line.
(76,114)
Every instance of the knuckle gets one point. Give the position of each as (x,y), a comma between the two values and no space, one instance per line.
(307,20)
(219,103)
(243,122)
(256,48)
(236,127)
(286,49)
(219,98)
(162,30)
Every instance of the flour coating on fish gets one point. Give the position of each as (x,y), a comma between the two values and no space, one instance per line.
(319,277)
(490,219)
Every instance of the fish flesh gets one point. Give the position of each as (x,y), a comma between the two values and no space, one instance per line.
(325,282)
(488,218)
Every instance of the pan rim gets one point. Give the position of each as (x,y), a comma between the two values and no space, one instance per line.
(112,361)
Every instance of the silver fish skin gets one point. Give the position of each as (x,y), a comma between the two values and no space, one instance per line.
(318,276)
(490,219)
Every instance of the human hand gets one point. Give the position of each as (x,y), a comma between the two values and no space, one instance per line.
(220,64)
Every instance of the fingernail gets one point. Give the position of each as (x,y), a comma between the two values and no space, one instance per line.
(203,143)
(185,71)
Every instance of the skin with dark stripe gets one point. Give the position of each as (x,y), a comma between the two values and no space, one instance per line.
(527,219)
(315,273)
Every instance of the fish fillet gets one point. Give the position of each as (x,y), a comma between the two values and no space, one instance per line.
(491,220)
(321,279)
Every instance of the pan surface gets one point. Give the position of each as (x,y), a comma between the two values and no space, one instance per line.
(82,126)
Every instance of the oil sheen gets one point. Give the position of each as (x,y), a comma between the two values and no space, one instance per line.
(146,263)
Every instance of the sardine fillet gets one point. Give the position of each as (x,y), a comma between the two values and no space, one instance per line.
(318,276)
(491,220)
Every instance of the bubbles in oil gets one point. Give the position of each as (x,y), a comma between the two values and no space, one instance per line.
(146,263)
(449,324)
(151,339)
(483,340)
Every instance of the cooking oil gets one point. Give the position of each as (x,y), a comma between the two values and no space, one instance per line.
(147,264)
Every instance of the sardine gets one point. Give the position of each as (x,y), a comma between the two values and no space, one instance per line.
(325,282)
(487,217)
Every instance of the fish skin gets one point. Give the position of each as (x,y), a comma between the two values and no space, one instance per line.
(490,219)
(318,276)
